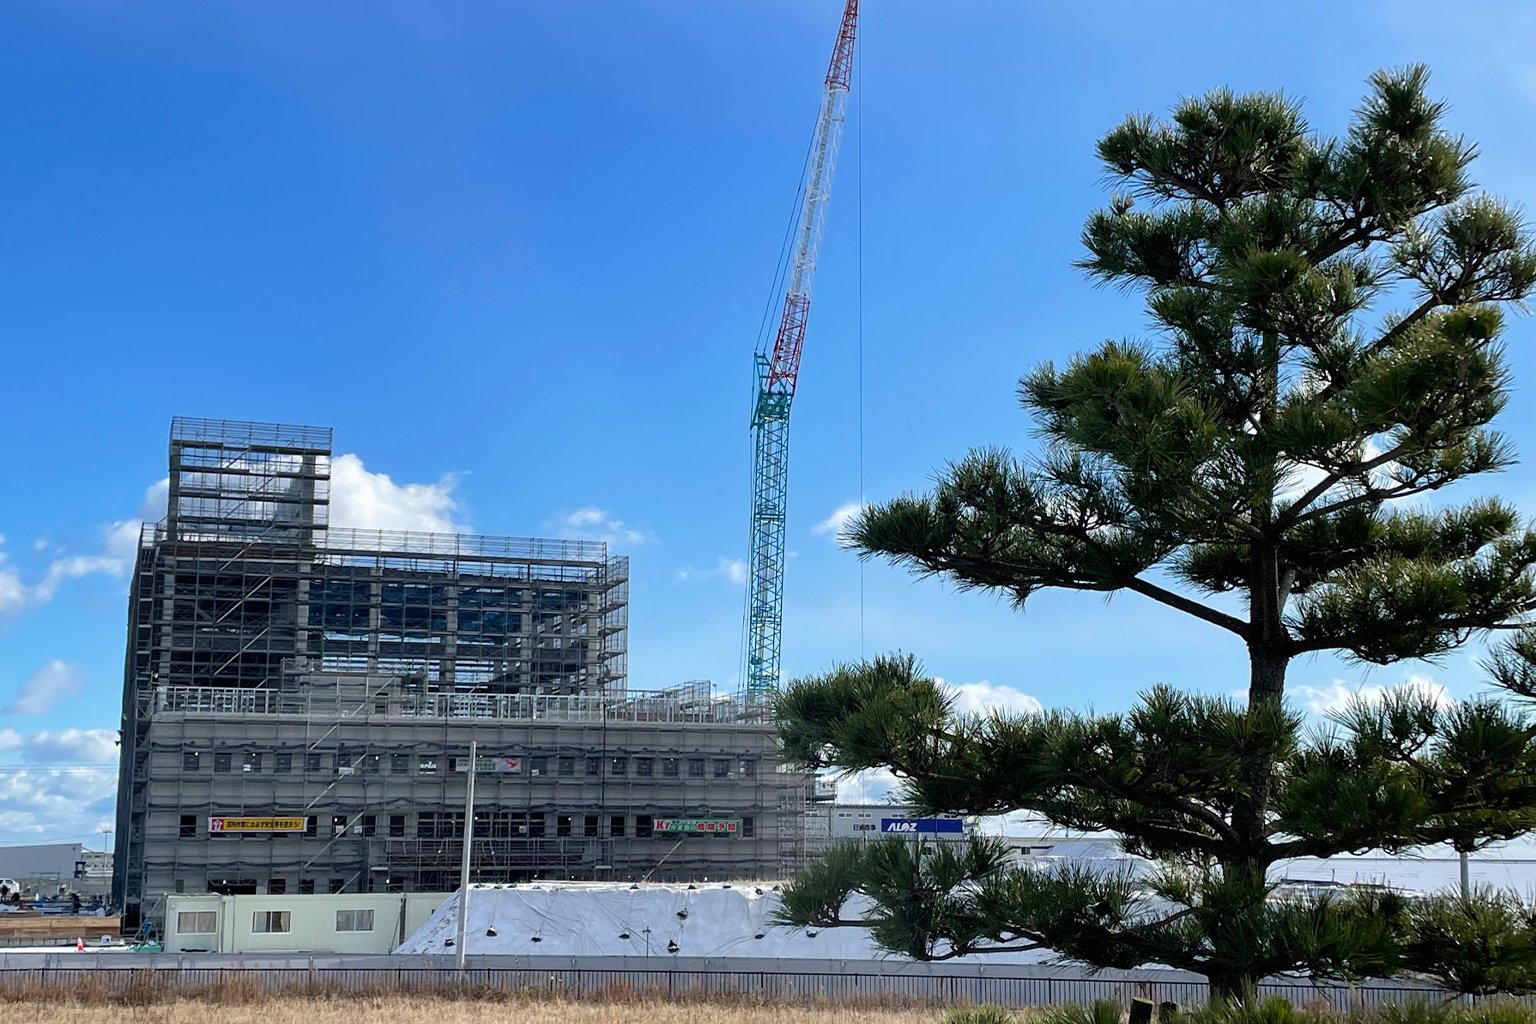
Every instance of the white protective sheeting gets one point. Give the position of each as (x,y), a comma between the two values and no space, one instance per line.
(712,920)
(596,919)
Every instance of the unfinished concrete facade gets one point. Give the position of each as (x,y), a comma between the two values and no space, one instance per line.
(299,702)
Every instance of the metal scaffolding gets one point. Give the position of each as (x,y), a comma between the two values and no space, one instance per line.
(279,669)
(367,774)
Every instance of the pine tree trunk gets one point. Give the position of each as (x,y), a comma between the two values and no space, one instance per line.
(1246,866)
(1227,986)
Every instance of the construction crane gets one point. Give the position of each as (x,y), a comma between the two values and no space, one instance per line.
(778,371)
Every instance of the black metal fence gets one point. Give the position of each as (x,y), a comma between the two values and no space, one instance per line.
(118,976)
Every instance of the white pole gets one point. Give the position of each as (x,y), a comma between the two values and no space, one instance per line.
(1466,879)
(469,834)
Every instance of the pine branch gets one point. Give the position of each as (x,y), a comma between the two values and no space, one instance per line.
(1463,626)
(972,950)
(1189,606)
(1373,496)
(1293,512)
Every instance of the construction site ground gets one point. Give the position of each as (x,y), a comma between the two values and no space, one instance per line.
(35,927)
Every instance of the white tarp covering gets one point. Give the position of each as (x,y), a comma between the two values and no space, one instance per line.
(613,919)
(597,919)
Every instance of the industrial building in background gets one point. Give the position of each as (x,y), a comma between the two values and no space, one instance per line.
(299,701)
(41,870)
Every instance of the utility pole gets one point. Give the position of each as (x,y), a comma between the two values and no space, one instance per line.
(469,835)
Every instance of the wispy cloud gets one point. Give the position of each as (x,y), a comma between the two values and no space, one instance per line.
(837,523)
(13,592)
(119,545)
(56,681)
(364,500)
(732,570)
(1334,697)
(593,523)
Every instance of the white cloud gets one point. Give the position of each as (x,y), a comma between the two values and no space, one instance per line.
(152,508)
(984,697)
(364,500)
(838,521)
(64,746)
(875,786)
(73,746)
(593,523)
(55,682)
(52,802)
(360,499)
(733,570)
(1325,700)
(58,783)
(13,593)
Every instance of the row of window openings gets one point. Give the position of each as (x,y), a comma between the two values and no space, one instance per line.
(269,922)
(275,887)
(488,825)
(400,764)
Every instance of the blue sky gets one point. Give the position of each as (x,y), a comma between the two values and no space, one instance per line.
(516,254)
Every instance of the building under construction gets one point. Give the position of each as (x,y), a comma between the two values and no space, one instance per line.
(299,702)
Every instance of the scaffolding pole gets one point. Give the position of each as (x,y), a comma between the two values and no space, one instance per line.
(469,834)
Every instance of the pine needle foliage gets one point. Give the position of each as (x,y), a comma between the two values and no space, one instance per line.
(1326,357)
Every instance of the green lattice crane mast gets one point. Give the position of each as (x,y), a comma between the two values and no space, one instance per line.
(778,371)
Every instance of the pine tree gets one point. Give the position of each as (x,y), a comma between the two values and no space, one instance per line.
(1266,464)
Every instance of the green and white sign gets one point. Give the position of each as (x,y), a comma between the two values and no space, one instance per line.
(698,826)
(492,765)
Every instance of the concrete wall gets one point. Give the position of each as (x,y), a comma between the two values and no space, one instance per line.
(311,922)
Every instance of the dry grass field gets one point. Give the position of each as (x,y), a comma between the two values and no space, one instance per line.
(426,1010)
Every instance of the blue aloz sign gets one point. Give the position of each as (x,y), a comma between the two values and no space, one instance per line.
(925,826)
